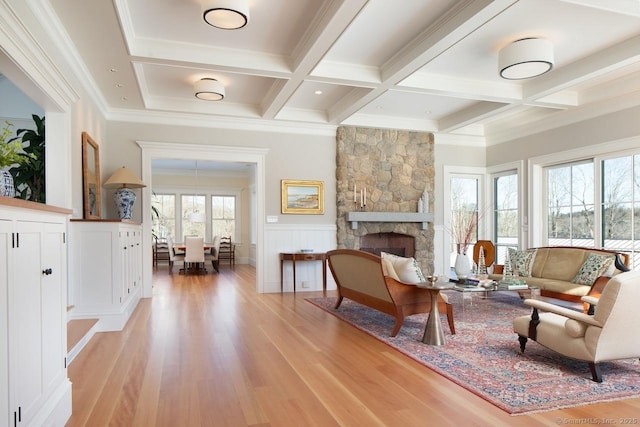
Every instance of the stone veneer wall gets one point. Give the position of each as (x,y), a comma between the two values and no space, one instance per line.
(396,167)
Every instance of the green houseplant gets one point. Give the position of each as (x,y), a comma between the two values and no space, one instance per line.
(11,153)
(29,178)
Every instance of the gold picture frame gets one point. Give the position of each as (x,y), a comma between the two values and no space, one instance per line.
(91,184)
(302,197)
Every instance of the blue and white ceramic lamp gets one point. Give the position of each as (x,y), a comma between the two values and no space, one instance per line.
(124,180)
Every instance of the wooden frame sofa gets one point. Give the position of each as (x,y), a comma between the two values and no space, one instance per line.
(554,269)
(359,277)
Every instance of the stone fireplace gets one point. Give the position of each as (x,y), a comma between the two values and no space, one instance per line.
(395,167)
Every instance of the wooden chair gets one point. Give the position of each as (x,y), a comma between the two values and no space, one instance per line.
(160,250)
(227,250)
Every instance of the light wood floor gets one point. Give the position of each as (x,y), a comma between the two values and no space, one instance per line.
(209,351)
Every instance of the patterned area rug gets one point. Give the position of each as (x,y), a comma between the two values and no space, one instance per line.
(484,356)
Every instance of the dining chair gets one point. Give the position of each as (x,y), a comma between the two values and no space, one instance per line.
(173,256)
(212,255)
(194,253)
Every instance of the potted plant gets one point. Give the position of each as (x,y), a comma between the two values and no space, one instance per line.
(11,154)
(29,178)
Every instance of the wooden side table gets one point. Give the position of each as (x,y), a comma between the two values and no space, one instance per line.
(303,256)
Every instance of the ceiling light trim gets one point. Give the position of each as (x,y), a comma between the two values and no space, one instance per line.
(226,14)
(209,89)
(525,58)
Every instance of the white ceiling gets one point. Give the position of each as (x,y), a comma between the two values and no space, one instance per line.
(428,65)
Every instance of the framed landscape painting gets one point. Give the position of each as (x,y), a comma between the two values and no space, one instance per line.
(302,197)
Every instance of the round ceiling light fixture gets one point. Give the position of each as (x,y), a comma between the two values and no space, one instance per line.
(525,58)
(226,14)
(209,89)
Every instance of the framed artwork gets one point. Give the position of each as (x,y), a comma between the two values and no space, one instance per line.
(302,197)
(91,185)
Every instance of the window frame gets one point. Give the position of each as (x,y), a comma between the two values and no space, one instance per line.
(179,191)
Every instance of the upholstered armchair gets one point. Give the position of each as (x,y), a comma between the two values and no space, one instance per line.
(610,334)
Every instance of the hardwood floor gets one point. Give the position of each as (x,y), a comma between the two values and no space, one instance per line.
(209,351)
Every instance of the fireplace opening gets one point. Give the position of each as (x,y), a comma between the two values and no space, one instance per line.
(393,243)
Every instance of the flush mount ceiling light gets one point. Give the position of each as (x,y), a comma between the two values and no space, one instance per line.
(525,58)
(209,89)
(226,14)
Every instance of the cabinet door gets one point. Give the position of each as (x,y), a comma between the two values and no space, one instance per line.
(25,322)
(5,247)
(53,301)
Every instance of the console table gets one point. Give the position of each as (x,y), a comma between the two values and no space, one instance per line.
(304,256)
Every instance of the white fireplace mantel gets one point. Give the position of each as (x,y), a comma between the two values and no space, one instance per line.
(423,217)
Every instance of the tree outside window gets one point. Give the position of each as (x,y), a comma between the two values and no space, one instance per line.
(164,216)
(505,214)
(192,204)
(223,216)
(570,205)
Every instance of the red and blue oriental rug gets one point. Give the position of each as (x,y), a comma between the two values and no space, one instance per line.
(484,356)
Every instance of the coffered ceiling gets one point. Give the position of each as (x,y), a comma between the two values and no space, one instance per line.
(429,65)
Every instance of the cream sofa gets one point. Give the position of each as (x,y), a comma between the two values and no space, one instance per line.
(554,269)
(359,277)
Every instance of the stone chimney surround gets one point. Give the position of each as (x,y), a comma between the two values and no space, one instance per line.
(396,168)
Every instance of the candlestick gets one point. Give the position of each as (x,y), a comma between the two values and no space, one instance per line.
(354,193)
(361,199)
(365,196)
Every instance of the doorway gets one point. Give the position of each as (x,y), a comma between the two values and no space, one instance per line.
(162,150)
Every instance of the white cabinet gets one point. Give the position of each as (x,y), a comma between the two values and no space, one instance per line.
(34,387)
(106,276)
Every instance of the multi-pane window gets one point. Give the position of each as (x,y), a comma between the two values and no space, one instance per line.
(164,215)
(464,213)
(570,204)
(193,215)
(506,217)
(621,205)
(223,216)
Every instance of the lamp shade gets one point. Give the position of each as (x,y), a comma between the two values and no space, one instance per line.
(525,58)
(226,14)
(123,177)
(209,90)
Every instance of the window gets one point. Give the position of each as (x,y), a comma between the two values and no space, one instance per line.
(192,204)
(621,205)
(506,215)
(164,216)
(570,204)
(223,216)
(464,212)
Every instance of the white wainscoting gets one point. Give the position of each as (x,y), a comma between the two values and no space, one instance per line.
(290,238)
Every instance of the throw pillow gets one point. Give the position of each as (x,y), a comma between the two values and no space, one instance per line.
(592,268)
(406,269)
(522,261)
(388,270)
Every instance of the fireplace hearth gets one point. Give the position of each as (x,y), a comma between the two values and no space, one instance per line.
(394,243)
